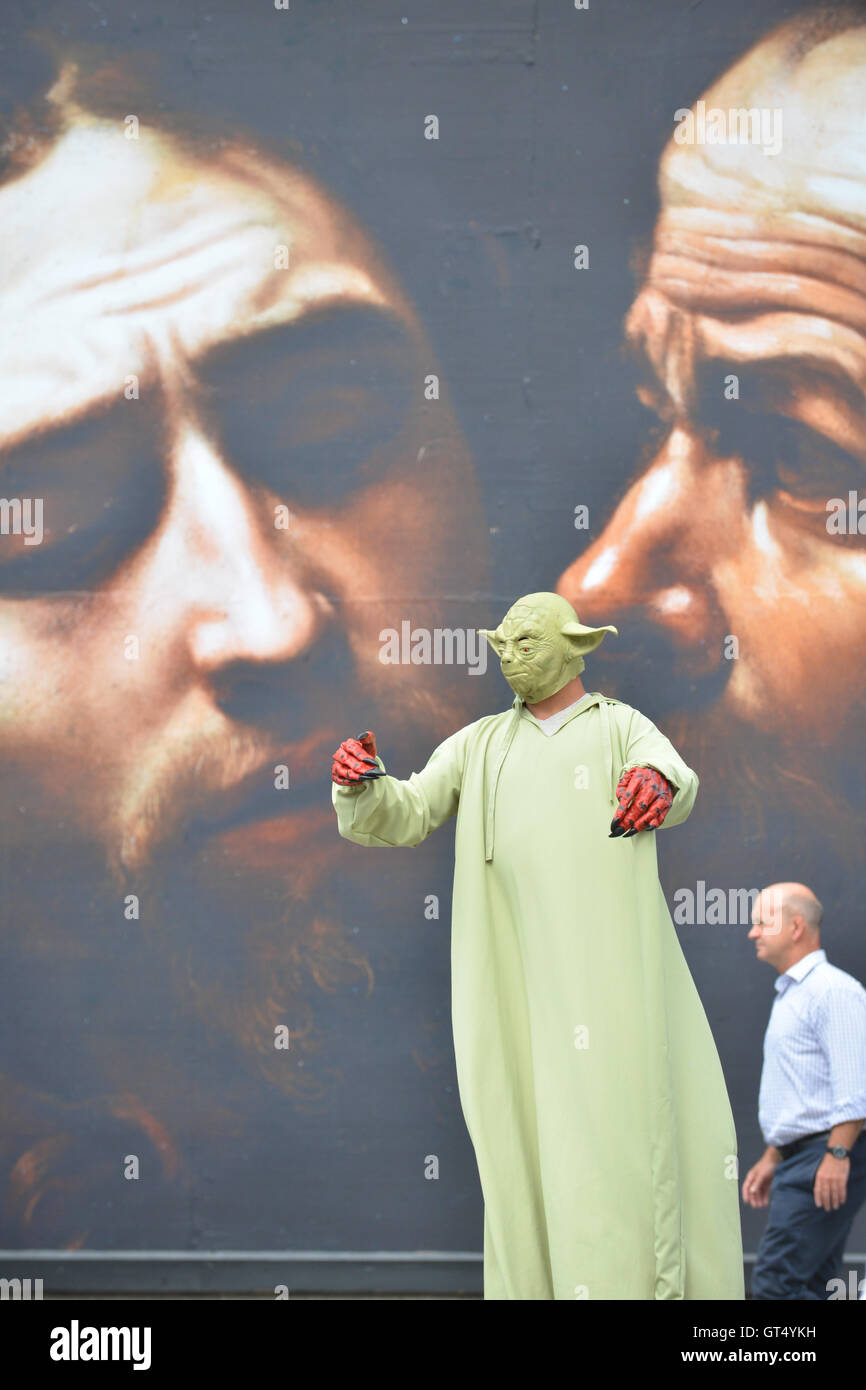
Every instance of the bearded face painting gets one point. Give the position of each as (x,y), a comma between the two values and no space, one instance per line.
(731,562)
(209,404)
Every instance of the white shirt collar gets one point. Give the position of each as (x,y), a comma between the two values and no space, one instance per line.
(800,969)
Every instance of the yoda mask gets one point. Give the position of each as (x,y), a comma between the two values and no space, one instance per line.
(541,645)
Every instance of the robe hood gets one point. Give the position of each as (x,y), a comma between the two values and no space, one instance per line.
(507,738)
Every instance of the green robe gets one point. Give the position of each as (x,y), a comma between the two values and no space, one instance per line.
(589,1078)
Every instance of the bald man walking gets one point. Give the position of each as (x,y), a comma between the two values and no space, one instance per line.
(812,1102)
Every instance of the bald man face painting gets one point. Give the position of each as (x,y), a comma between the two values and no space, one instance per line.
(215,395)
(751,330)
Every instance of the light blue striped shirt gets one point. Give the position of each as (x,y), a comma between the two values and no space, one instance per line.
(814,1073)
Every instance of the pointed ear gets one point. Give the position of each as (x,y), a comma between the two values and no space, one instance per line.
(584,639)
(494,638)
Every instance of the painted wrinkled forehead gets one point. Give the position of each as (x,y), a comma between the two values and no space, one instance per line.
(815,181)
(116,247)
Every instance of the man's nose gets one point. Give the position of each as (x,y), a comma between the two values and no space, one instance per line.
(232,578)
(656,557)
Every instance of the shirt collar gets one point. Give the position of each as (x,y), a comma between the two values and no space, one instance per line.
(520,705)
(564,714)
(800,969)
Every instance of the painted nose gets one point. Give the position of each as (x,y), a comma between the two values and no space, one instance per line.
(652,572)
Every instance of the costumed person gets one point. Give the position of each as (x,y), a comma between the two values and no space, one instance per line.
(589,1079)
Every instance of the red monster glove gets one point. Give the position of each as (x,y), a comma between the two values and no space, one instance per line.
(644,797)
(354,761)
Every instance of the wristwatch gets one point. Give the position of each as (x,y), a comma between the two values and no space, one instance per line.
(838,1152)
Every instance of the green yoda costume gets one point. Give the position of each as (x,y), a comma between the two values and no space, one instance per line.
(589,1079)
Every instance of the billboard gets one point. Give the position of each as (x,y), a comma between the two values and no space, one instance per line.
(329,331)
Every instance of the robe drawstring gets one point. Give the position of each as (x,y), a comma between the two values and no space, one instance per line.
(607,746)
(491,799)
(607,751)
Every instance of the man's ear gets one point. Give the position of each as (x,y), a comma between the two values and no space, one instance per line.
(582,639)
(495,639)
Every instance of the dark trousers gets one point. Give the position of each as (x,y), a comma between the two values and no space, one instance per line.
(802,1246)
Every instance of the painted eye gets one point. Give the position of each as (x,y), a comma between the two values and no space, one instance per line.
(121,457)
